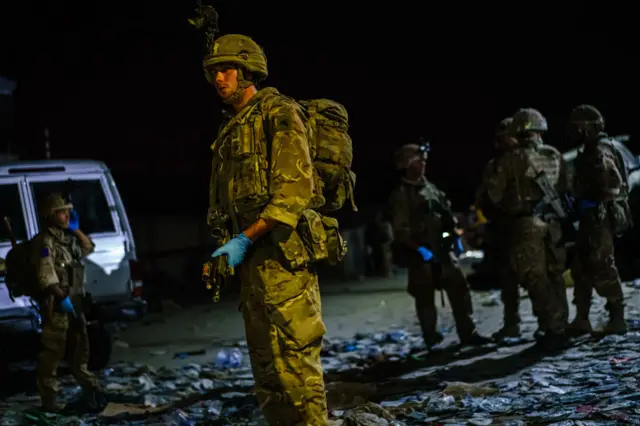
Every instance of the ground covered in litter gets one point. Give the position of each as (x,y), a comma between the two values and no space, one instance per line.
(593,383)
(378,378)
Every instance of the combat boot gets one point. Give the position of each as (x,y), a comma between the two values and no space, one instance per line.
(50,405)
(95,399)
(511,332)
(579,327)
(474,339)
(616,324)
(538,334)
(552,341)
(580,324)
(433,339)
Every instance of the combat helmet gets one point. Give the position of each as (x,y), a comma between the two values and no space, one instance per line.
(51,204)
(527,120)
(239,50)
(584,121)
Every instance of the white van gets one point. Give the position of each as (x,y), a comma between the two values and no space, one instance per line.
(95,196)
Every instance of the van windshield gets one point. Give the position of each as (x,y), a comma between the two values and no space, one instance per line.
(88,200)
(11,207)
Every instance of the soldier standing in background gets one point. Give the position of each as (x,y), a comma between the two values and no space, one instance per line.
(600,189)
(536,257)
(498,229)
(424,237)
(57,252)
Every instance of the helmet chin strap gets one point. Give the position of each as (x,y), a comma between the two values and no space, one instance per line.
(242,85)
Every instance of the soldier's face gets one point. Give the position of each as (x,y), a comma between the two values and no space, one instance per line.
(418,166)
(62,218)
(226,80)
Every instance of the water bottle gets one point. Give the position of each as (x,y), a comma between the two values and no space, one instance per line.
(180,418)
(350,347)
(214,409)
(222,359)
(397,336)
(235,358)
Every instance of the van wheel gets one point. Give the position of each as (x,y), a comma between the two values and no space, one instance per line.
(100,345)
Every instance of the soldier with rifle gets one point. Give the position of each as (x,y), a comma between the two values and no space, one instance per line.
(426,242)
(524,185)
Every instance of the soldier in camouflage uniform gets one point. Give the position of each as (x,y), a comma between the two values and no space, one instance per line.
(57,252)
(421,219)
(498,239)
(600,189)
(262,181)
(536,256)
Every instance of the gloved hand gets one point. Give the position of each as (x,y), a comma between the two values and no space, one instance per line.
(74,221)
(67,306)
(584,205)
(426,254)
(458,247)
(235,249)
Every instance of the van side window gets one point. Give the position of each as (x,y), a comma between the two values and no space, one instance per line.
(87,198)
(11,207)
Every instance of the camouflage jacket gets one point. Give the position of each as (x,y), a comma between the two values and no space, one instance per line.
(261,164)
(512,187)
(420,214)
(600,174)
(57,255)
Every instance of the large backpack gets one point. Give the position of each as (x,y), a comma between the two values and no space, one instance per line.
(332,151)
(20,277)
(623,224)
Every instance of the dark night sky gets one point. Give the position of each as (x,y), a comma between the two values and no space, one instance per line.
(123,83)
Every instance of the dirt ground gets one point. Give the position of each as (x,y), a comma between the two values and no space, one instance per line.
(360,307)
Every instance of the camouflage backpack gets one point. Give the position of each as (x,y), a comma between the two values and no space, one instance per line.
(331,150)
(20,275)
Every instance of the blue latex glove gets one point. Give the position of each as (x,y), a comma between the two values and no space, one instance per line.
(426,254)
(67,306)
(458,247)
(235,249)
(74,221)
(584,205)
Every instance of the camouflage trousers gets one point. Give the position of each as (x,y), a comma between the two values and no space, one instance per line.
(594,265)
(284,330)
(58,334)
(537,262)
(424,279)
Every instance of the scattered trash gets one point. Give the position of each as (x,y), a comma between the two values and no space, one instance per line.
(459,389)
(596,382)
(634,284)
(229,359)
(492,298)
(183,355)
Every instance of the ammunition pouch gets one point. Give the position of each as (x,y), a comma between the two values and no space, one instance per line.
(76,274)
(321,237)
(312,232)
(291,246)
(619,215)
(336,244)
